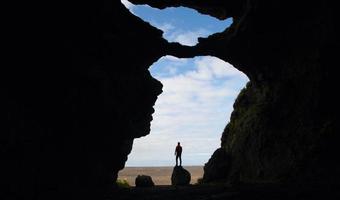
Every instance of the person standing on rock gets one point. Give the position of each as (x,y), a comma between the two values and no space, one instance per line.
(178,154)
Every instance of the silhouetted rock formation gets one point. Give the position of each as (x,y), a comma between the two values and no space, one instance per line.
(144,181)
(77,92)
(180,176)
(283,128)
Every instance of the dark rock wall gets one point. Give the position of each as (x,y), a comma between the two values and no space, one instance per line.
(284,126)
(77,92)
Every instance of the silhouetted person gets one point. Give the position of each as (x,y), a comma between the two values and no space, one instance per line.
(178,154)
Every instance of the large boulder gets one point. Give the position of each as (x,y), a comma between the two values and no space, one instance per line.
(144,181)
(180,176)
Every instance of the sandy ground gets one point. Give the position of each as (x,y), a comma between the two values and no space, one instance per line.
(160,175)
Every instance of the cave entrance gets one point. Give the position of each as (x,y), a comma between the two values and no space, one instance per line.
(195,106)
(196,102)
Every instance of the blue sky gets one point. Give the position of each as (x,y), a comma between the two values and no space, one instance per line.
(198,93)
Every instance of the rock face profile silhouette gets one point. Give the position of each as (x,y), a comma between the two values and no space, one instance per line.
(144,181)
(180,176)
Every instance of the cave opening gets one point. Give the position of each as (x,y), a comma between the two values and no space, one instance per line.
(197,99)
(196,104)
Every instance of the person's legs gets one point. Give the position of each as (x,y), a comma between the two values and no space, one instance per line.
(180,160)
(176,160)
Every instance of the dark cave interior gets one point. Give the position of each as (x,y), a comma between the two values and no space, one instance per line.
(75,99)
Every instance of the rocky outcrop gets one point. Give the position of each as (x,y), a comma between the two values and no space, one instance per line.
(144,181)
(283,128)
(180,176)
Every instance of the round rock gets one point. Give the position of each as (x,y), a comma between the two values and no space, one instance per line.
(180,176)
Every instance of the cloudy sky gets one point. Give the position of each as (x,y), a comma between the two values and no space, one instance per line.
(197,97)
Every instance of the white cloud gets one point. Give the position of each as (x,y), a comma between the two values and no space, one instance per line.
(193,109)
(174,59)
(211,68)
(175,34)
(170,65)
(166,27)
(218,68)
(128,5)
(187,37)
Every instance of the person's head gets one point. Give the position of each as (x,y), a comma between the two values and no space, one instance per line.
(178,143)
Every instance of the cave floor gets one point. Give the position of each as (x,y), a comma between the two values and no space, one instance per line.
(219,192)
